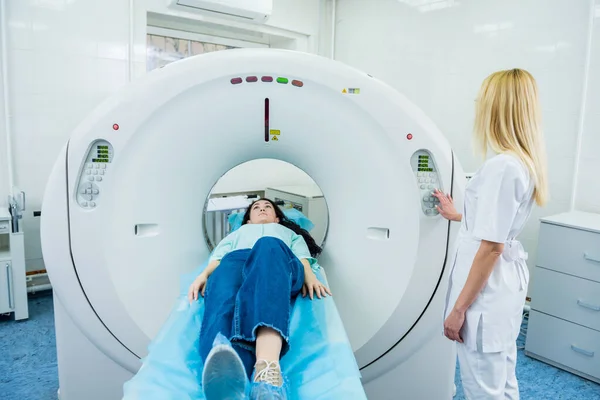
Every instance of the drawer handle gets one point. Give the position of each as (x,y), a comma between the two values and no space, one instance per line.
(582,351)
(9,282)
(591,258)
(588,305)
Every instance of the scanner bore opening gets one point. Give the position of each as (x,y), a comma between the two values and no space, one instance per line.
(283,182)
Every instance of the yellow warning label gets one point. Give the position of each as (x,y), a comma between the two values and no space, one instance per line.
(275,132)
(344,91)
(354,91)
(274,138)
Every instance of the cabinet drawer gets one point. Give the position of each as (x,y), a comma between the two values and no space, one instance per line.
(567,297)
(563,342)
(4,226)
(572,251)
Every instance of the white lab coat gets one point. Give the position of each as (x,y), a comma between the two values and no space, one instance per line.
(498,202)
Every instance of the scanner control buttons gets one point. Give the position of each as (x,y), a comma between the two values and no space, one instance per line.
(427,182)
(89,191)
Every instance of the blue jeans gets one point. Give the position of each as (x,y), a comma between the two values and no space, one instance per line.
(251,288)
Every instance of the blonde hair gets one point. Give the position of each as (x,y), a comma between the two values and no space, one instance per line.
(508,120)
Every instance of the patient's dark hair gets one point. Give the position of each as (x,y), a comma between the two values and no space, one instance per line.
(314,249)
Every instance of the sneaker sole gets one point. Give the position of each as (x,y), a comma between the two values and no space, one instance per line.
(224,375)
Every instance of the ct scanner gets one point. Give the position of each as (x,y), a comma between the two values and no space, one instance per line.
(122,212)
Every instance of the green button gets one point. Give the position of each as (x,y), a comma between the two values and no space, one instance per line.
(282,80)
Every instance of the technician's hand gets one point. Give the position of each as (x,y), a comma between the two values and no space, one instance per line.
(198,285)
(313,285)
(446,207)
(453,325)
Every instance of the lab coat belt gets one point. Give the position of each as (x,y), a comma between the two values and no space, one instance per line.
(515,252)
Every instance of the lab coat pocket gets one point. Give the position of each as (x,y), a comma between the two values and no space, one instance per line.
(496,332)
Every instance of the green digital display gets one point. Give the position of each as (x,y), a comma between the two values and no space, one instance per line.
(100,160)
(103,147)
(423,165)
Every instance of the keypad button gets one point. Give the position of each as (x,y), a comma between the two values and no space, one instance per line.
(430,187)
(95,191)
(88,165)
(422,186)
(91,178)
(96,166)
(84,203)
(82,191)
(425,198)
(101,172)
(103,166)
(98,178)
(95,172)
(92,204)
(88,191)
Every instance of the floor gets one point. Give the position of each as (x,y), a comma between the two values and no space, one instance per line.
(28,369)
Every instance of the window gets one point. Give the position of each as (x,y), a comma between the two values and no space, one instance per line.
(162,50)
(166,45)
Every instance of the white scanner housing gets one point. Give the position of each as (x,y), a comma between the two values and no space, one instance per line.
(123,211)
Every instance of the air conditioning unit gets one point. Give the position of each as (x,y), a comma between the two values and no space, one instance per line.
(257,11)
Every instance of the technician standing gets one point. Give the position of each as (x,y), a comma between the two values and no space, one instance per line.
(489,276)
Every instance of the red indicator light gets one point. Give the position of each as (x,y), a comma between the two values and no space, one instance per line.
(251,79)
(236,81)
(267,79)
(409,136)
(297,83)
(116,127)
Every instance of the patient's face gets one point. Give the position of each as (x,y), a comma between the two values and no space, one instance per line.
(262,212)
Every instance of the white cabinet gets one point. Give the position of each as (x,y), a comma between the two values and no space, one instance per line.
(564,321)
(309,200)
(13,286)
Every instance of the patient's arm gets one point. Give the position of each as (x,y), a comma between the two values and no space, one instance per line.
(312,283)
(210,268)
(199,284)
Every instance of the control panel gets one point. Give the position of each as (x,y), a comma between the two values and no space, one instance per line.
(95,170)
(425,170)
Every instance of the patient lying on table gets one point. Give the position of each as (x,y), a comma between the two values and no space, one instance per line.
(249,286)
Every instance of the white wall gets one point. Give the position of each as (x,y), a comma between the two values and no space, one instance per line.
(438,53)
(588,183)
(66,56)
(4,186)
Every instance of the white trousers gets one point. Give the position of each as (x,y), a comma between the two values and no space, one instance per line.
(488,376)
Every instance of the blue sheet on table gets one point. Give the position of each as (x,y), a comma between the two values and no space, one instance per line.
(320,364)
